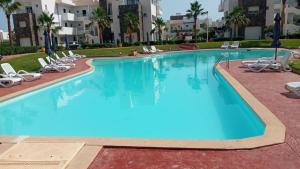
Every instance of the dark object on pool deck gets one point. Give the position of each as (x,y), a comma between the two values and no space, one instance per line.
(47,45)
(276,36)
(188,46)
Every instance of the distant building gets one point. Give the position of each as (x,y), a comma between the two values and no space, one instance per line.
(146,10)
(181,27)
(261,14)
(71,15)
(3,36)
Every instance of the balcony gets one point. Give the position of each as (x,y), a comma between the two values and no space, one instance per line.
(67,31)
(68,17)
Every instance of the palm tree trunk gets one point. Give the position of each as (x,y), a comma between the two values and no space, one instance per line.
(49,37)
(159,35)
(283,5)
(9,30)
(234,30)
(100,34)
(195,28)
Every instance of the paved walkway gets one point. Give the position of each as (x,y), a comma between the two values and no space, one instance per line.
(47,77)
(269,89)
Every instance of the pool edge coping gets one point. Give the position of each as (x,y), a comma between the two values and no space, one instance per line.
(274,132)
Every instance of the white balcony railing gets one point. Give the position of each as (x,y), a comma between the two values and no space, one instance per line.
(67,31)
(68,17)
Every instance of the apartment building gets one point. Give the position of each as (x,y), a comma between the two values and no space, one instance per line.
(146,10)
(292,15)
(71,15)
(181,27)
(261,14)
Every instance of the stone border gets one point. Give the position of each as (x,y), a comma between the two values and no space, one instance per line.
(274,131)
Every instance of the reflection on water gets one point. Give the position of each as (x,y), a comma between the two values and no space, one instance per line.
(170,96)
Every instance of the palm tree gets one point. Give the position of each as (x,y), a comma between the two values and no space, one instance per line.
(132,24)
(46,22)
(159,24)
(236,18)
(195,10)
(9,7)
(283,6)
(100,17)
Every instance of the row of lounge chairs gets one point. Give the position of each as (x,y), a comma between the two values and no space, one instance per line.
(11,77)
(234,45)
(270,64)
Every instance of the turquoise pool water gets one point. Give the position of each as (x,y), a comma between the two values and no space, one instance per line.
(172,96)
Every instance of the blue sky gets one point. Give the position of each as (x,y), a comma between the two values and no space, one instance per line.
(169,7)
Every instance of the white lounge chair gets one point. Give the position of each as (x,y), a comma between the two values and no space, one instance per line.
(70,57)
(51,68)
(245,63)
(235,45)
(293,87)
(147,51)
(6,81)
(262,66)
(64,59)
(76,55)
(10,71)
(154,49)
(296,54)
(50,60)
(225,45)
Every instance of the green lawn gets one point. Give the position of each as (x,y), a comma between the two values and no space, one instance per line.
(295,64)
(29,62)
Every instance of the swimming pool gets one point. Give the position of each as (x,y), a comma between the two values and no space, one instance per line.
(172,96)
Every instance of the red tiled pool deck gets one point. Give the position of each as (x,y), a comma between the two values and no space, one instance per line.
(269,89)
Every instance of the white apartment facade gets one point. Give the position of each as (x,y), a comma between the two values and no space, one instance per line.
(71,15)
(292,15)
(261,14)
(146,10)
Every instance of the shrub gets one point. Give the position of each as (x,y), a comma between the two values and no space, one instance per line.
(12,50)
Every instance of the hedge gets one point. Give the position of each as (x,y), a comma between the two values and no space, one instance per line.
(12,50)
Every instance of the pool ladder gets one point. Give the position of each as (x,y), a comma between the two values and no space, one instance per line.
(224,56)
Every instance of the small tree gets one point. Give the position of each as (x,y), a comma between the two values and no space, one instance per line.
(46,23)
(236,18)
(159,24)
(195,10)
(132,24)
(100,17)
(9,7)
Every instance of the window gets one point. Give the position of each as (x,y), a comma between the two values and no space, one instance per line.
(29,9)
(66,24)
(83,12)
(46,7)
(22,24)
(253,10)
(65,11)
(109,10)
